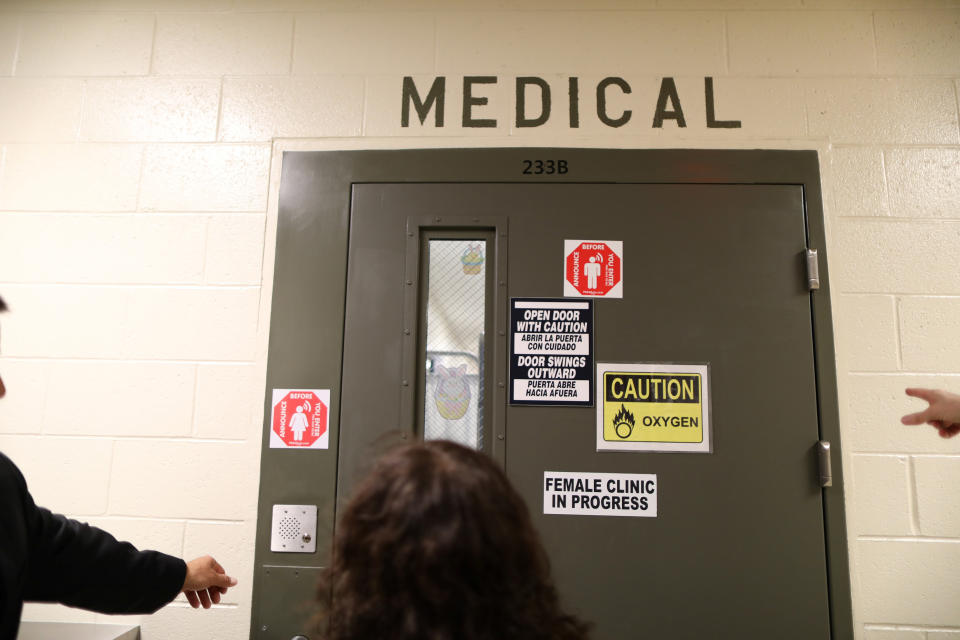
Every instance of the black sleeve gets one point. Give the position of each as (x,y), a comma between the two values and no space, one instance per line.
(81,566)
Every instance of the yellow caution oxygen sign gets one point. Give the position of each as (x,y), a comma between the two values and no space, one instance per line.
(653,407)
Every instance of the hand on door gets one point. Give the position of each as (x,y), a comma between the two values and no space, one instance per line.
(943,412)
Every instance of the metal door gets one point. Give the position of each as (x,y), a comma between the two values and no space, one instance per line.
(713,273)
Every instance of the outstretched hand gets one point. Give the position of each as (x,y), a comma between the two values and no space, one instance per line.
(943,412)
(206,581)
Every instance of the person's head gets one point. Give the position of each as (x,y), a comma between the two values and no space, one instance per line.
(3,390)
(436,544)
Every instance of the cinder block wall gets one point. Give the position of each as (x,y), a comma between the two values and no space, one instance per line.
(139,138)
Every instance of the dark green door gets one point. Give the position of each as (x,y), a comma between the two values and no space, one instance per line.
(712,274)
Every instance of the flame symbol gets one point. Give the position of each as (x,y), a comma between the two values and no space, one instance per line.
(623,423)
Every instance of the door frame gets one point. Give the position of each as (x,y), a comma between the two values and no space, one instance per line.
(311,245)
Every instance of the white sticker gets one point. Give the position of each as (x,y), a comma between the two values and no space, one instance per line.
(593,268)
(300,419)
(600,494)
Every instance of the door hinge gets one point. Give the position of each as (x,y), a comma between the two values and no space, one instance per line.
(825,464)
(813,270)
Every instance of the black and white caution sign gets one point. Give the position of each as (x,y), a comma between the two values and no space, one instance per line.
(551,352)
(600,494)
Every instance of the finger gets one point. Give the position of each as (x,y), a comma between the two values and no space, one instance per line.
(950,431)
(924,394)
(214,595)
(192,598)
(223,580)
(936,423)
(916,418)
(204,598)
(216,566)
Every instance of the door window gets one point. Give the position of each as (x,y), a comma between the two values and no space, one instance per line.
(455,315)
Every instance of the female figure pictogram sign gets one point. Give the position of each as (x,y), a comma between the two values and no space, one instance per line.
(593,268)
(299,419)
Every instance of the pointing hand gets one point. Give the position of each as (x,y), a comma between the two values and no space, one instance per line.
(943,411)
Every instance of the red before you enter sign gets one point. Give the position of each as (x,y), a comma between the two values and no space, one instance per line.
(299,419)
(593,268)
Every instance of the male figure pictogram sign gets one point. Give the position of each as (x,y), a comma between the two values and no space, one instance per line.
(299,419)
(593,268)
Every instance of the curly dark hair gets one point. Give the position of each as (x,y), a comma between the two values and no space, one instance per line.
(437,545)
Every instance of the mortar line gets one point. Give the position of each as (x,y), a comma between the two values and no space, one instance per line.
(915,539)
(938,296)
(886,183)
(214,521)
(956,97)
(293,44)
(893,626)
(194,427)
(897,338)
(363,106)
(84,88)
(113,457)
(436,43)
(114,438)
(913,496)
(153,45)
(16,50)
(137,361)
(726,44)
(135,285)
(205,249)
(217,132)
(143,164)
(917,374)
(901,454)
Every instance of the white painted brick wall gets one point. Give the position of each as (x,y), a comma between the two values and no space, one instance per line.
(217,44)
(90,44)
(881,496)
(136,210)
(936,477)
(886,567)
(788,43)
(861,189)
(182,479)
(150,109)
(263,108)
(88,177)
(40,109)
(861,320)
(204,177)
(924,183)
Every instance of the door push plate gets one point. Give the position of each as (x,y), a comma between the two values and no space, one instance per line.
(294,528)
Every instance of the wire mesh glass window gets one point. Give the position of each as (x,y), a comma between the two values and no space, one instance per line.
(455,320)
